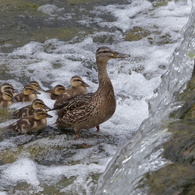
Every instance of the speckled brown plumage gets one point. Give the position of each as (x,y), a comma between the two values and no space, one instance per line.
(6,86)
(28,94)
(78,87)
(35,85)
(6,99)
(56,91)
(29,109)
(33,123)
(90,110)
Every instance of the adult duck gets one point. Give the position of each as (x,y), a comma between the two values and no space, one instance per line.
(90,110)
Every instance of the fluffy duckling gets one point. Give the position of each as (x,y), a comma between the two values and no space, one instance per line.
(32,123)
(6,99)
(90,110)
(28,94)
(29,109)
(35,85)
(56,91)
(78,87)
(6,86)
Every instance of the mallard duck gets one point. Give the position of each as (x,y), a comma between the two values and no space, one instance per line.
(29,109)
(56,91)
(6,86)
(28,94)
(6,98)
(35,122)
(78,87)
(35,85)
(90,110)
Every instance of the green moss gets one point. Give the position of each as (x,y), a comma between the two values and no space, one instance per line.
(136,34)
(4,114)
(191,54)
(172,179)
(43,34)
(77,2)
(19,4)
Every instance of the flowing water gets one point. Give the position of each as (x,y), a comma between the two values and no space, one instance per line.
(52,41)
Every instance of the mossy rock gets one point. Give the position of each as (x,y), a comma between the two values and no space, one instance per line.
(76,2)
(187,110)
(19,4)
(44,34)
(4,114)
(175,179)
(136,34)
(181,147)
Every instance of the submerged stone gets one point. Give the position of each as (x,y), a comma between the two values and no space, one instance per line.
(136,34)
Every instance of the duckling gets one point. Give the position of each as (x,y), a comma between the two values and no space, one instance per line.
(32,123)
(56,91)
(28,94)
(90,110)
(29,109)
(35,85)
(7,98)
(6,86)
(78,87)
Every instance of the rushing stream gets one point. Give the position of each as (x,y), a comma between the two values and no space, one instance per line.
(143,153)
(51,41)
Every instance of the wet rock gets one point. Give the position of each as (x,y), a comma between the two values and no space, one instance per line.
(181,147)
(175,179)
(136,34)
(178,177)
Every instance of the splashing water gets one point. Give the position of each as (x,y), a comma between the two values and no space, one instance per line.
(53,162)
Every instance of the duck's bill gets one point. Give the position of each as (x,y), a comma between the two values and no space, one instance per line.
(37,92)
(47,108)
(120,55)
(85,84)
(49,116)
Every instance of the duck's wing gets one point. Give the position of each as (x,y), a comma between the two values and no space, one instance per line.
(23,112)
(74,103)
(62,98)
(18,97)
(22,126)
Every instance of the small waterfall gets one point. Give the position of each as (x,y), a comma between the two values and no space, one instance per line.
(143,153)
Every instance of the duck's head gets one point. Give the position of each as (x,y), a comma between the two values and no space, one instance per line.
(6,86)
(77,81)
(28,90)
(39,104)
(35,85)
(40,114)
(59,89)
(7,95)
(103,54)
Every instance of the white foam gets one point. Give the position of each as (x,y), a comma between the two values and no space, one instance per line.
(49,9)
(134,81)
(23,170)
